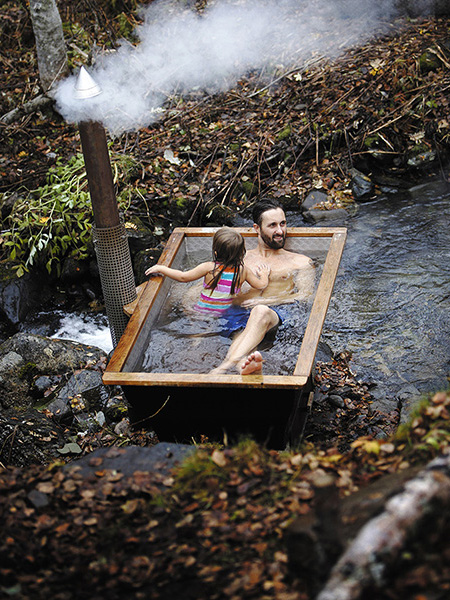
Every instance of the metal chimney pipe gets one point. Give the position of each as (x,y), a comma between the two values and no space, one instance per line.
(109,233)
(98,169)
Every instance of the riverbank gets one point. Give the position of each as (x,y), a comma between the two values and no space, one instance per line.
(241,522)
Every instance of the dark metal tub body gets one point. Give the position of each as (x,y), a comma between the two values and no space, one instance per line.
(185,406)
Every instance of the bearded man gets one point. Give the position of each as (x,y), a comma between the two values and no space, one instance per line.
(291,279)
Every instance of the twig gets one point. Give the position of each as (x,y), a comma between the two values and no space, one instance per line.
(348,147)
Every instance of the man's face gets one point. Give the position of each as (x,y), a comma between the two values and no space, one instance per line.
(273,228)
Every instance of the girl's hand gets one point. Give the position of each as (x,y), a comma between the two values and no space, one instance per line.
(154,270)
(262,269)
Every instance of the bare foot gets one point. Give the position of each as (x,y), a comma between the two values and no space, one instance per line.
(223,368)
(252,364)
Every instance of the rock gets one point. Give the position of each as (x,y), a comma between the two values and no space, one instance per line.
(74,270)
(87,422)
(11,361)
(51,356)
(361,185)
(139,236)
(116,407)
(324,352)
(27,438)
(123,427)
(160,458)
(421,159)
(429,61)
(38,499)
(316,216)
(83,392)
(61,410)
(143,260)
(408,397)
(24,358)
(21,295)
(313,200)
(336,401)
(41,385)
(389,184)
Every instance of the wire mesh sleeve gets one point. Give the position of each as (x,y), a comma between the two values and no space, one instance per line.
(116,275)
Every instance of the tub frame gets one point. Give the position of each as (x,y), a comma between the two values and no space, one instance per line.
(225,404)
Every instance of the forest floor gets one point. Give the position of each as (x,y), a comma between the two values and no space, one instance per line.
(217,527)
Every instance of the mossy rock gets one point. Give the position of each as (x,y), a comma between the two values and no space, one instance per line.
(429,61)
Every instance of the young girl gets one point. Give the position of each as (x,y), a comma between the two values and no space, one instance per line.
(223,276)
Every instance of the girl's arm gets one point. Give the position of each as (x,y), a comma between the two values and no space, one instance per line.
(183,276)
(258,279)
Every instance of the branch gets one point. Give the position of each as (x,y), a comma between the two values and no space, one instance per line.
(38,103)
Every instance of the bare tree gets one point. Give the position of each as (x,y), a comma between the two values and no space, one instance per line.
(50,45)
(51,55)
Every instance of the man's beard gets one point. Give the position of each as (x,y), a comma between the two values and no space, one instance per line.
(274,244)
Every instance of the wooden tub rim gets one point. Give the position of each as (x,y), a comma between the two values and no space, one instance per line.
(115,375)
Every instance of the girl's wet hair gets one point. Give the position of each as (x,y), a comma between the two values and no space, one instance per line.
(229,251)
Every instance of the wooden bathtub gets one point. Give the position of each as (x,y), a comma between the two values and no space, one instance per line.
(183,407)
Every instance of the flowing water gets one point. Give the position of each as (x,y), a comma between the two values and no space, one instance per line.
(90,329)
(390,307)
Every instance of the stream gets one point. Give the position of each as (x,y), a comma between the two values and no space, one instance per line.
(391,303)
(391,300)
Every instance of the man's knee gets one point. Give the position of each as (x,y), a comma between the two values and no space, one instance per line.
(265,315)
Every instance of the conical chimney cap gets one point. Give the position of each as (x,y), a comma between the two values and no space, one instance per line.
(86,86)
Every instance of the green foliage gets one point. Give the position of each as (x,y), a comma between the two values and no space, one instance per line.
(55,220)
(209,470)
(284,133)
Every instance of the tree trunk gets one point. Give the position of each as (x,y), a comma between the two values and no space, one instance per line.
(373,553)
(50,45)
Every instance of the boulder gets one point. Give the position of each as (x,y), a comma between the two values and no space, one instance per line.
(313,200)
(25,357)
(84,392)
(316,215)
(21,295)
(362,186)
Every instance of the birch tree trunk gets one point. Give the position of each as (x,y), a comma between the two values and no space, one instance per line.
(370,557)
(50,45)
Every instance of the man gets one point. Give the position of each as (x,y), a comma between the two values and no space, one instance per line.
(291,278)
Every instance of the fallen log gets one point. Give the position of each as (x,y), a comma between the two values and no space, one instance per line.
(372,554)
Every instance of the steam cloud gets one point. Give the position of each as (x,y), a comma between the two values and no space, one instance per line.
(180,51)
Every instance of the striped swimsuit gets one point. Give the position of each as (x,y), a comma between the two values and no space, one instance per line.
(217,301)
